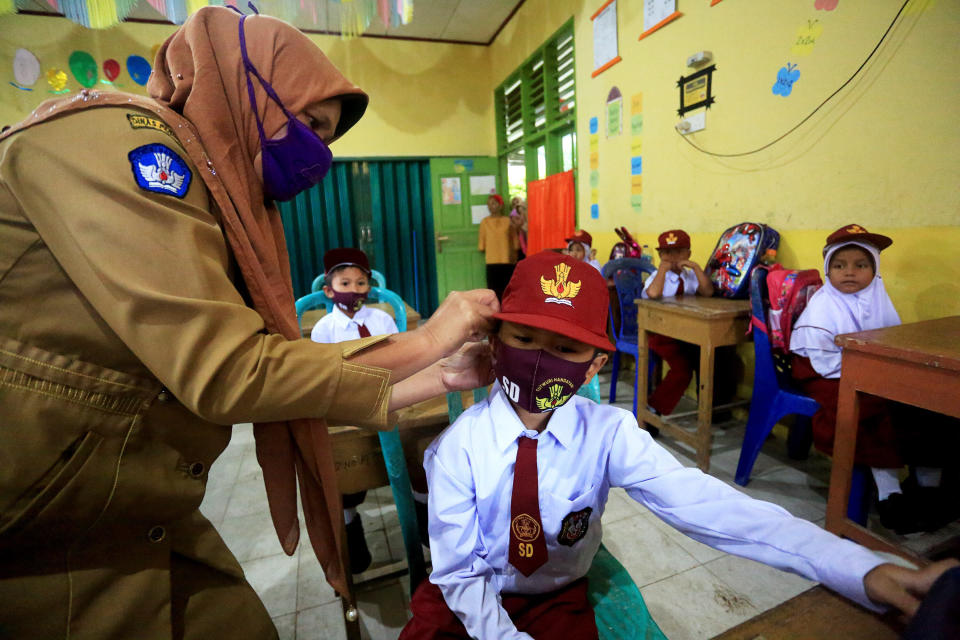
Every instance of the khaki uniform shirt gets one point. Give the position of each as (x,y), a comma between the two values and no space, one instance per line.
(498,239)
(126,352)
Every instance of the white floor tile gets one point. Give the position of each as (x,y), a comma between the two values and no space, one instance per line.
(286,626)
(765,586)
(645,550)
(696,605)
(274,578)
(249,497)
(250,537)
(312,587)
(383,611)
(322,623)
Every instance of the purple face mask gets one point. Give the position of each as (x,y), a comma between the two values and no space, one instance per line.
(349,300)
(536,380)
(298,160)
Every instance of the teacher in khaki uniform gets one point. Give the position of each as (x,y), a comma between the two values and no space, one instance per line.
(146,305)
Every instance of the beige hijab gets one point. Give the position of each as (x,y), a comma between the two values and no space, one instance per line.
(200,90)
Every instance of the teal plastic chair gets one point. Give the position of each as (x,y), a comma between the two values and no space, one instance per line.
(618,606)
(377,277)
(591,390)
(390,445)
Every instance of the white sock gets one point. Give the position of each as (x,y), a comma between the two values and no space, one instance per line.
(420,497)
(928,476)
(349,514)
(888,482)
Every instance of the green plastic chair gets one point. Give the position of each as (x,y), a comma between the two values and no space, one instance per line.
(618,607)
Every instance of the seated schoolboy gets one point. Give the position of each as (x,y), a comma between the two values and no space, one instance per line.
(347,283)
(677,275)
(853,298)
(518,485)
(579,246)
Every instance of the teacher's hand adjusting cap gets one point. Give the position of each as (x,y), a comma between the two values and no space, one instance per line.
(560,294)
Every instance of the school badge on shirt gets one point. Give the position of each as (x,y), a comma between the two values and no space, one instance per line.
(158,168)
(558,289)
(574,527)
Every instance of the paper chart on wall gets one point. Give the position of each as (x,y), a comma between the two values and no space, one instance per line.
(478,212)
(657,13)
(605,37)
(483,185)
(450,188)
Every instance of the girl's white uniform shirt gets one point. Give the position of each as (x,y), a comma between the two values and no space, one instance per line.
(585,449)
(337,326)
(830,313)
(671,283)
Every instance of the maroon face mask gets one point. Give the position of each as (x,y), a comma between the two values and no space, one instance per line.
(536,380)
(349,300)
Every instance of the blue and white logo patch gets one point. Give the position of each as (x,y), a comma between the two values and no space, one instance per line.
(158,168)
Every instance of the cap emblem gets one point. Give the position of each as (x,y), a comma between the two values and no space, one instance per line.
(559,290)
(671,239)
(855,228)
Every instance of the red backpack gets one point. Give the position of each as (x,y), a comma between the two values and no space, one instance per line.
(789,290)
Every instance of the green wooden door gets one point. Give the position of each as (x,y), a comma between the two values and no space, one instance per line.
(460,265)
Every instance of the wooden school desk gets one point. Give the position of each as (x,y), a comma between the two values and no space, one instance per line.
(917,364)
(706,322)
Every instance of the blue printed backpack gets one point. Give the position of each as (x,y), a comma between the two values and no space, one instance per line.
(738,251)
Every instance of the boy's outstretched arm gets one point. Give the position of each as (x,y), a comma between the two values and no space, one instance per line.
(903,588)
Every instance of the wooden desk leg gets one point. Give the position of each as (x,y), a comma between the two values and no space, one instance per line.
(705,406)
(844,448)
(643,366)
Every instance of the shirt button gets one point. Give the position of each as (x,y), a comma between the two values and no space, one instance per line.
(163,396)
(197,469)
(156,534)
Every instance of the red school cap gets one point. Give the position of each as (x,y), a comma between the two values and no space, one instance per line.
(345,257)
(854,232)
(673,239)
(582,237)
(558,293)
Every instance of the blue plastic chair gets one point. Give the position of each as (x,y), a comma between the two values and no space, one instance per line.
(390,445)
(774,398)
(628,276)
(377,277)
(618,606)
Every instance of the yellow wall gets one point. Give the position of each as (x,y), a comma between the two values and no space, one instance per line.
(882,154)
(426,99)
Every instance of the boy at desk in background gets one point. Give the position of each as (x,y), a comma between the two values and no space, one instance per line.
(347,282)
(677,275)
(518,485)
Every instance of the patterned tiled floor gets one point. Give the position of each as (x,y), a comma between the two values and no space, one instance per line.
(717,590)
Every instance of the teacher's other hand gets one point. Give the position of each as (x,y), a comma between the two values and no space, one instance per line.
(469,368)
(464,316)
(901,587)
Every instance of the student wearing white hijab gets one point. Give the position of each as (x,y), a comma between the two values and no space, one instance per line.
(853,299)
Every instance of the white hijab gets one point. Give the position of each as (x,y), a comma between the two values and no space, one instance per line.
(831,313)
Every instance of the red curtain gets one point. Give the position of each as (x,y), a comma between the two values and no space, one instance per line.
(551,209)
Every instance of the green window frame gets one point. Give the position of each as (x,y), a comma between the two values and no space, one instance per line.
(536,110)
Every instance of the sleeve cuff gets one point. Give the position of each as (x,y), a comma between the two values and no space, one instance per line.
(844,570)
(363,394)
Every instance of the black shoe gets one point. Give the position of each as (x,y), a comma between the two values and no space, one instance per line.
(357,546)
(902,514)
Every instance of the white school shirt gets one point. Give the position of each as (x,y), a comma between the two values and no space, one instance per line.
(671,283)
(585,449)
(337,326)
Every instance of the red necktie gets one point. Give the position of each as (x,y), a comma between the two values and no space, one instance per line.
(528,547)
(680,286)
(364,332)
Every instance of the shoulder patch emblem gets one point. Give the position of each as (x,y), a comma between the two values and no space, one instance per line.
(574,527)
(158,168)
(141,121)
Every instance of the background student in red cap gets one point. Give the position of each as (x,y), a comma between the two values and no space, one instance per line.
(853,298)
(497,238)
(518,485)
(347,283)
(677,275)
(580,246)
